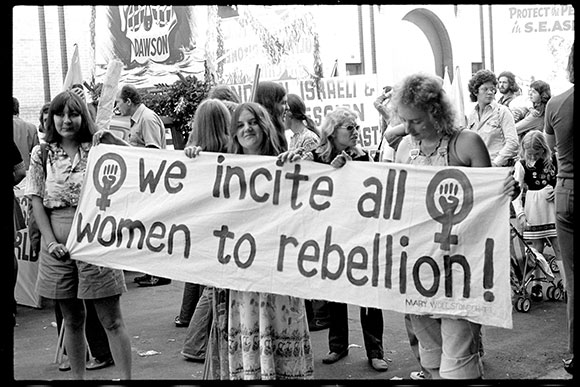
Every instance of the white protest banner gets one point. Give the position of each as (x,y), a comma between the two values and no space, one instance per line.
(420,240)
(357,92)
(24,291)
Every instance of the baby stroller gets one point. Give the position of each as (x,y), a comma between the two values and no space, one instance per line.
(525,262)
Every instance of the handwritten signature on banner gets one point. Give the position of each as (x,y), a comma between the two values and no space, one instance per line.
(397,237)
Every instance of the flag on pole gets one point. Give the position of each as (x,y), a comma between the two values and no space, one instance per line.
(108,94)
(447,82)
(73,75)
(457,98)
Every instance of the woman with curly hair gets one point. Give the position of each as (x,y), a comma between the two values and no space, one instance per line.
(446,346)
(492,121)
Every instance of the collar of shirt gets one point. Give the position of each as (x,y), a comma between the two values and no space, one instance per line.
(138,114)
(491,106)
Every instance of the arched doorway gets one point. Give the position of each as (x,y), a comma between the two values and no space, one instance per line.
(438,38)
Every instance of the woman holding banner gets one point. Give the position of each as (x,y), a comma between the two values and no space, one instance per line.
(338,143)
(305,135)
(209,133)
(54,185)
(270,321)
(448,346)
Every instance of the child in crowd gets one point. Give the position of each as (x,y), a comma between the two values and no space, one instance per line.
(534,207)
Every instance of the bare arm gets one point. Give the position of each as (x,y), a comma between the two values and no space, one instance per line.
(42,219)
(392,133)
(471,150)
(402,151)
(107,137)
(19,172)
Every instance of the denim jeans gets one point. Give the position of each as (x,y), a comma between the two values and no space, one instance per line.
(197,334)
(414,343)
(191,296)
(565,231)
(448,348)
(372,327)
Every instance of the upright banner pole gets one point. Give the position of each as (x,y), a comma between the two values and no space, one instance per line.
(255,84)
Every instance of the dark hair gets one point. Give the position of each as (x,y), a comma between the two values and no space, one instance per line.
(513,85)
(425,92)
(75,103)
(545,94)
(131,92)
(224,93)
(298,110)
(478,79)
(43,110)
(15,106)
(268,94)
(270,145)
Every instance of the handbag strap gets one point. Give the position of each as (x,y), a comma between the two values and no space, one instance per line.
(44,156)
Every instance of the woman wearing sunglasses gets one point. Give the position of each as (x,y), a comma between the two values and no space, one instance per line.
(339,144)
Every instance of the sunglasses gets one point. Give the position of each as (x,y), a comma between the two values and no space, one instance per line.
(351,128)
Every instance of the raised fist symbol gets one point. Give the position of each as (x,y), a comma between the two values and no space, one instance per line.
(442,200)
(110,176)
(448,199)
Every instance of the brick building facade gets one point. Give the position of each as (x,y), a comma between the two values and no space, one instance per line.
(28,55)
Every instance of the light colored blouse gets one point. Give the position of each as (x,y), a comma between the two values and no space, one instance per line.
(61,187)
(497,129)
(305,139)
(147,129)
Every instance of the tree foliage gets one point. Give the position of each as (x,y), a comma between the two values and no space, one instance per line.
(179,101)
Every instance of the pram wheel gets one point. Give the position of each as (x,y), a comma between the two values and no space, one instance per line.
(550,292)
(537,294)
(557,293)
(523,304)
(554,265)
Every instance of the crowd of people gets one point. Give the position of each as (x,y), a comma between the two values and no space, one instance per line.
(419,128)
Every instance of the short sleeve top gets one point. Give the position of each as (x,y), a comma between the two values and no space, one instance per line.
(61,187)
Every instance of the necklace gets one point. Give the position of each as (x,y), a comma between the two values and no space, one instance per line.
(434,150)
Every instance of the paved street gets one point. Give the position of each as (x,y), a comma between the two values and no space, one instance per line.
(533,349)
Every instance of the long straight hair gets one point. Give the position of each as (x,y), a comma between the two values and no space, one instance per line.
(270,145)
(269,94)
(535,140)
(210,126)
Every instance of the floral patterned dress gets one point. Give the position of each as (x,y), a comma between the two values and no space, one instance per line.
(265,337)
